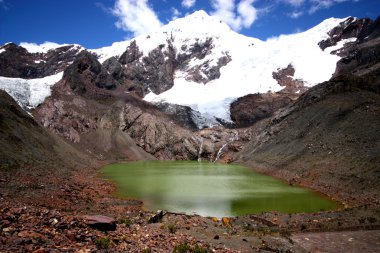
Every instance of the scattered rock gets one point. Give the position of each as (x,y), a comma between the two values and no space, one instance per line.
(100,222)
(157,217)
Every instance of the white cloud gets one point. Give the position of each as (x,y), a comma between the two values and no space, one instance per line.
(175,13)
(135,16)
(295,3)
(296,14)
(317,5)
(247,12)
(188,3)
(244,17)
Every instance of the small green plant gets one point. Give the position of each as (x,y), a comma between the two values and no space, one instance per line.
(126,221)
(172,228)
(103,242)
(199,249)
(147,250)
(182,248)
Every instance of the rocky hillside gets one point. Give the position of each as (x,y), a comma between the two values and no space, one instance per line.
(329,138)
(36,166)
(25,143)
(147,97)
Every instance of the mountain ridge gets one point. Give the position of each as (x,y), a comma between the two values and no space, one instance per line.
(181,64)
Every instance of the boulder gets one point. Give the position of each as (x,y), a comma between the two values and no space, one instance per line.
(100,222)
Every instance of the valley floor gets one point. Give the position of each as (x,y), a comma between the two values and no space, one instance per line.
(48,215)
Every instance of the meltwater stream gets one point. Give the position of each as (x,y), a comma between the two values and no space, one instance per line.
(210,189)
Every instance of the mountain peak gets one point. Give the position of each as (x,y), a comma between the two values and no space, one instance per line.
(199,14)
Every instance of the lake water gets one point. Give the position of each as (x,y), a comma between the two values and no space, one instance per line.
(210,189)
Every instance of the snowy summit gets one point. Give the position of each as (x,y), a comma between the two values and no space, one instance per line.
(211,65)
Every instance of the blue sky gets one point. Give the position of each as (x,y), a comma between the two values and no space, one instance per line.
(98,23)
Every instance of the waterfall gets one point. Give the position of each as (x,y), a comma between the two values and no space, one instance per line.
(200,151)
(220,152)
(231,139)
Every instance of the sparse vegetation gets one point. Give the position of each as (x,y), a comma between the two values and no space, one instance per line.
(172,228)
(103,242)
(185,247)
(182,248)
(199,249)
(126,221)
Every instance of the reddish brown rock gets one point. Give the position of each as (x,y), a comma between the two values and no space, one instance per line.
(100,222)
(247,110)
(285,78)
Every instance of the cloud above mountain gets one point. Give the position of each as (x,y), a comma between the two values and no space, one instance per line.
(237,15)
(135,16)
(141,16)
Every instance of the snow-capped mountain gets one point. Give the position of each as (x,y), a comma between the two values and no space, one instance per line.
(196,61)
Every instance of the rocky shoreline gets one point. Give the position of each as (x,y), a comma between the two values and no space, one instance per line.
(38,225)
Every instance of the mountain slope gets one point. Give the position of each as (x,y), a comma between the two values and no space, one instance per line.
(196,61)
(25,143)
(329,138)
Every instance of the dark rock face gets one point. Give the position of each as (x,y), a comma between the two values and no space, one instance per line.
(247,110)
(361,59)
(183,115)
(285,77)
(82,72)
(363,29)
(155,72)
(16,61)
(159,72)
(199,51)
(111,75)
(131,54)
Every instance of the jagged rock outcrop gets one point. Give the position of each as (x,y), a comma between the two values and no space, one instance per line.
(285,78)
(111,74)
(155,71)
(361,30)
(149,73)
(247,110)
(16,61)
(82,73)
(182,115)
(159,136)
(204,72)
(361,60)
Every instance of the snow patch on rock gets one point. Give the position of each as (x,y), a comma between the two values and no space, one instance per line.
(251,66)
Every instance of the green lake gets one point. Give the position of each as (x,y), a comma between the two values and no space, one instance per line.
(210,189)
